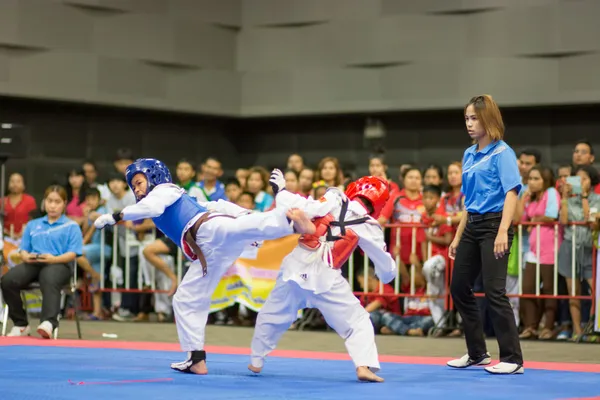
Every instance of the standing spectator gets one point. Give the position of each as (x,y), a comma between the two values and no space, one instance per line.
(90,171)
(93,252)
(540,203)
(378,167)
(583,155)
(577,207)
(330,171)
(433,176)
(406,208)
(76,188)
(435,250)
(123,159)
(305,181)
(295,162)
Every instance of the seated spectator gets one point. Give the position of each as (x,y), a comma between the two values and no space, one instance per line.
(211,186)
(49,244)
(246,200)
(241,174)
(257,184)
(376,306)
(291,181)
(318,189)
(186,175)
(18,206)
(385,315)
(233,189)
(539,204)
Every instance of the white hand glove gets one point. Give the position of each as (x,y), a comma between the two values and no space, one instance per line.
(103,220)
(277,181)
(340,195)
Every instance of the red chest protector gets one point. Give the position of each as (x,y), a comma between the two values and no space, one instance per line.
(343,245)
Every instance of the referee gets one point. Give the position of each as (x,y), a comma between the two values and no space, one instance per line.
(491,183)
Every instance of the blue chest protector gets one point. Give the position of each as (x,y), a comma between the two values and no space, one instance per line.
(173,221)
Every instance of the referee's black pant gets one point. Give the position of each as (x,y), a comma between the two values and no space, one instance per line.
(475,254)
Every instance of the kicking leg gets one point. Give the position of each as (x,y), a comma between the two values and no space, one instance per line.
(275,317)
(254,227)
(191,305)
(348,318)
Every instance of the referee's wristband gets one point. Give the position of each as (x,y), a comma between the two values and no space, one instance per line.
(117,216)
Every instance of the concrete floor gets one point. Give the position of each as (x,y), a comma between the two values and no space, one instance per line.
(328,341)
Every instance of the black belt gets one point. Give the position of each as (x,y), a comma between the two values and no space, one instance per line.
(483,217)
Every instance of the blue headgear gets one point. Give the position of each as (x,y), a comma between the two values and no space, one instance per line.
(156,172)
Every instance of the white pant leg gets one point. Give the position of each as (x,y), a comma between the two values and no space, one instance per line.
(512,287)
(144,267)
(344,313)
(274,318)
(191,305)
(246,229)
(162,302)
(434,273)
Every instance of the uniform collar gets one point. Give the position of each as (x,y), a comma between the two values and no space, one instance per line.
(485,150)
(61,220)
(358,208)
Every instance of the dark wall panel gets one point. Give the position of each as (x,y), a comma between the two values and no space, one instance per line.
(60,136)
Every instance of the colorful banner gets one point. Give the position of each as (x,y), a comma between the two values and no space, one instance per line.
(250,280)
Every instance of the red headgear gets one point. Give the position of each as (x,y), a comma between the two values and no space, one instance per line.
(372,188)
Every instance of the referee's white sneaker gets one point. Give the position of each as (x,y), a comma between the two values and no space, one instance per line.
(505,368)
(466,361)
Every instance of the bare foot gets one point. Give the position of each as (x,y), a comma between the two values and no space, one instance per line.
(302,224)
(386,331)
(254,369)
(364,374)
(199,368)
(415,332)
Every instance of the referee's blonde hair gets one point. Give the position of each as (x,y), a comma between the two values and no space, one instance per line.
(488,114)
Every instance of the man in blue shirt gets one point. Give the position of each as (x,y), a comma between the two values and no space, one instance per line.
(213,189)
(491,183)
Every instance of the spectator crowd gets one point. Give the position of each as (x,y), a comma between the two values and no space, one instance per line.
(58,233)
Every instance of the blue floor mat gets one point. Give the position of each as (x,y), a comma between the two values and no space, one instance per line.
(28,372)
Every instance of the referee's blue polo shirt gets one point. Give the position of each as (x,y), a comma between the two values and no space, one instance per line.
(488,175)
(60,237)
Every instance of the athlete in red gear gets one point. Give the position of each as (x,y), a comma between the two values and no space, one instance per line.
(311,277)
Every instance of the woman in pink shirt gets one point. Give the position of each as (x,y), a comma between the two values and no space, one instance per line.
(76,188)
(540,203)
